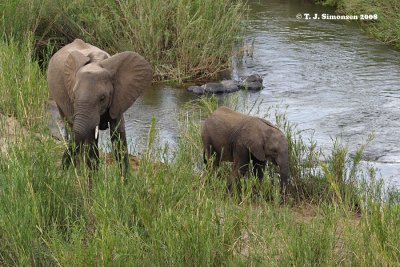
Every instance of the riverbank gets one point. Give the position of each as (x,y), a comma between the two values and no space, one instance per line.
(183,40)
(178,213)
(385,28)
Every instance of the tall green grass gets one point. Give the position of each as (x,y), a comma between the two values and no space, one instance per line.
(20,17)
(23,88)
(172,211)
(182,39)
(386,28)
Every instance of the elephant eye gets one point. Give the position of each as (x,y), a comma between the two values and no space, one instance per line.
(102,97)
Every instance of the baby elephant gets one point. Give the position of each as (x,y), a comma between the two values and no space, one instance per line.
(240,138)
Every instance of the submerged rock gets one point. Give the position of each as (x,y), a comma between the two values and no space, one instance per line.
(253,83)
(199,90)
(252,86)
(230,86)
(254,78)
(214,88)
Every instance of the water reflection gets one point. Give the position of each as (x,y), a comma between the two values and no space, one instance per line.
(160,102)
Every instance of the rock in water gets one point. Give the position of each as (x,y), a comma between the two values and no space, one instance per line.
(253,83)
(214,88)
(252,86)
(230,86)
(199,90)
(254,78)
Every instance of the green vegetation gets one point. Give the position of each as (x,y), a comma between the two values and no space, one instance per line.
(182,39)
(23,86)
(171,211)
(386,28)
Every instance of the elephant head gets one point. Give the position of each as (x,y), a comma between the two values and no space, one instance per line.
(268,143)
(110,85)
(93,89)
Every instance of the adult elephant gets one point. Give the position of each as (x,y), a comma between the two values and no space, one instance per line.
(92,90)
(241,139)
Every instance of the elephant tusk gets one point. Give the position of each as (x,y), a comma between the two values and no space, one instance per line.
(96,132)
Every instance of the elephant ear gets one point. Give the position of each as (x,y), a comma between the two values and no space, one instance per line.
(132,74)
(253,139)
(252,143)
(256,148)
(74,62)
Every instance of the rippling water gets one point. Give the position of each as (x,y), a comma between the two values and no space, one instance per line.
(162,103)
(332,76)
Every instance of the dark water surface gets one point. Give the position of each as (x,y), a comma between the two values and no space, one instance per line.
(330,75)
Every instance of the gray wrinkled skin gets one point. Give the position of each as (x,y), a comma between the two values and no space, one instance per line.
(238,138)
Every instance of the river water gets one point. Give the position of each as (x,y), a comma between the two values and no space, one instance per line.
(328,76)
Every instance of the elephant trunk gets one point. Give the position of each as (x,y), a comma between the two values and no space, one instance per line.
(84,127)
(284,176)
(283,163)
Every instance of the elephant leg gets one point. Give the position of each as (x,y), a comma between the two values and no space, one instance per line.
(67,157)
(258,168)
(70,154)
(67,126)
(120,144)
(241,160)
(71,150)
(93,159)
(208,154)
